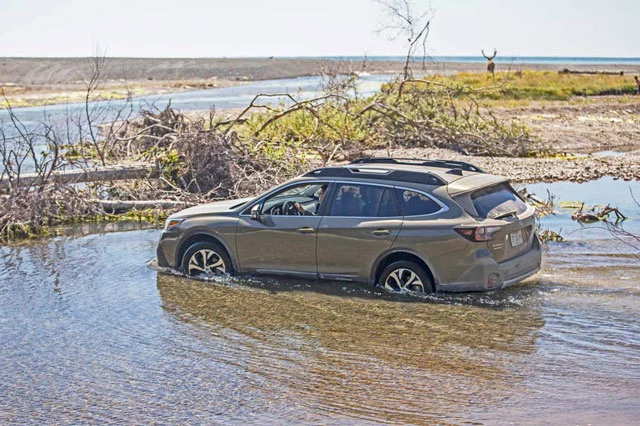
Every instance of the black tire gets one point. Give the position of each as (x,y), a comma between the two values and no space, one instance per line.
(403,270)
(214,253)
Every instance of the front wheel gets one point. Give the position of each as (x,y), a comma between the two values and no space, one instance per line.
(206,258)
(405,275)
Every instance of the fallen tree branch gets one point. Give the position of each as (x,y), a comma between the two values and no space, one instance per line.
(119,206)
(98,174)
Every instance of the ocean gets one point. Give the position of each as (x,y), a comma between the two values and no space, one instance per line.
(558,60)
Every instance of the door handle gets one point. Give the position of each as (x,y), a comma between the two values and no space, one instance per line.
(306,230)
(381,232)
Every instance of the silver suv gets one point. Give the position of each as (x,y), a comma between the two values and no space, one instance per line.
(402,224)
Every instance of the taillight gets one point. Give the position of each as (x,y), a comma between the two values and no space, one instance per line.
(477,233)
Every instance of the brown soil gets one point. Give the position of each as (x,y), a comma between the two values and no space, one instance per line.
(46,71)
(583,125)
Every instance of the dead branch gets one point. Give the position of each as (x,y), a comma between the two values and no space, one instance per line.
(401,20)
(597,215)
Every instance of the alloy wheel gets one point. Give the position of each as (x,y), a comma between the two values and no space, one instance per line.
(206,261)
(403,279)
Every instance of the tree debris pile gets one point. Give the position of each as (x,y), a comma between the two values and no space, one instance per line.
(25,212)
(405,114)
(206,159)
(200,163)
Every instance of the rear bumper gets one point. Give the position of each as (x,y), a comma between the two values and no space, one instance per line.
(487,275)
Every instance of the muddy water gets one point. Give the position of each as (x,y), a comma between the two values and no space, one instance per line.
(91,333)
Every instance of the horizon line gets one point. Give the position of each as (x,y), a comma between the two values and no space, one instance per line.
(401,57)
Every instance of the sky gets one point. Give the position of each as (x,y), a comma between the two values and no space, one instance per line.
(262,28)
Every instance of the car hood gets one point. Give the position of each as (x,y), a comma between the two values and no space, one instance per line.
(210,208)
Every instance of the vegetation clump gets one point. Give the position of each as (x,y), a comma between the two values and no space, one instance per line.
(537,85)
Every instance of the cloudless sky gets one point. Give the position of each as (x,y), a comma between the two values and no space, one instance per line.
(240,28)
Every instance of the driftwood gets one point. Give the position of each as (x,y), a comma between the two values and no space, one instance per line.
(98,174)
(596,216)
(119,206)
(568,71)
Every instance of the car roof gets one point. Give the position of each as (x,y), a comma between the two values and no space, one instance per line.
(422,171)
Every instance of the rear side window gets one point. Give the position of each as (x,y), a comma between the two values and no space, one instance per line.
(358,200)
(496,201)
(416,204)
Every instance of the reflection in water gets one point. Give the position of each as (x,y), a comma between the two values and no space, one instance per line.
(363,357)
(91,334)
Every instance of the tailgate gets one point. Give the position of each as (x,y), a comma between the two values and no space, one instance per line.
(515,236)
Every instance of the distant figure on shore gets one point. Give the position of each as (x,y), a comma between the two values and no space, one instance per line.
(491,66)
(635,77)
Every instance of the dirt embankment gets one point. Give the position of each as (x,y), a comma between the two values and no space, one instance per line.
(39,81)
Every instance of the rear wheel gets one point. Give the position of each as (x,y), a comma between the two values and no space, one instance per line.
(405,275)
(206,258)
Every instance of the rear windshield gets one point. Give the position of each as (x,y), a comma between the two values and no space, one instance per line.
(497,201)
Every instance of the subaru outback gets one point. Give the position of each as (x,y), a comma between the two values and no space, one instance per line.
(401,224)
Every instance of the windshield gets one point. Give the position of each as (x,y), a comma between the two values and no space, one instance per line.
(306,190)
(496,201)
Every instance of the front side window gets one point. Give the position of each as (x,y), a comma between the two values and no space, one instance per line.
(359,200)
(416,204)
(304,199)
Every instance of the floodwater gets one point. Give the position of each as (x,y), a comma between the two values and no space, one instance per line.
(92,333)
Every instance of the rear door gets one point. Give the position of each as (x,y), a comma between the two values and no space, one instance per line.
(361,222)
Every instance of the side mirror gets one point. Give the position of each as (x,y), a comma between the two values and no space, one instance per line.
(255,212)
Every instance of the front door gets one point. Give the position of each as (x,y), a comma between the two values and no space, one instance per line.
(283,240)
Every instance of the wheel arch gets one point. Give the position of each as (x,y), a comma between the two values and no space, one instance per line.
(199,236)
(401,254)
